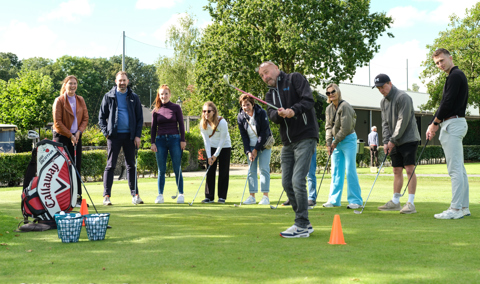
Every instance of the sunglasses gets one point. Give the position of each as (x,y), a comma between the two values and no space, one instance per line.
(209,111)
(330,93)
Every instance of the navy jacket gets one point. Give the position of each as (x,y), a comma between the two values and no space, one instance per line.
(293,91)
(108,115)
(262,128)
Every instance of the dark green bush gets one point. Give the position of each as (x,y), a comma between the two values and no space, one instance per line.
(471,138)
(93,136)
(13,167)
(93,164)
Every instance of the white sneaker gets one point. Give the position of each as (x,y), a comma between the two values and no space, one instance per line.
(250,200)
(106,201)
(295,232)
(159,199)
(180,199)
(265,200)
(137,200)
(353,206)
(466,211)
(310,228)
(328,205)
(449,214)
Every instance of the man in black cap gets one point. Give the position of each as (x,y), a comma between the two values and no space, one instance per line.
(400,140)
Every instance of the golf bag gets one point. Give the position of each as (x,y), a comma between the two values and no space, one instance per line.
(50,183)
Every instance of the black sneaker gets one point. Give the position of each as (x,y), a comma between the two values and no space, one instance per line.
(207,200)
(221,201)
(286,203)
(311,203)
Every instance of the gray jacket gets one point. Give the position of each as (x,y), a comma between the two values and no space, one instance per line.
(344,122)
(398,118)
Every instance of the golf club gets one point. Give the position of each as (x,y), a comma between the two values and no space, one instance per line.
(245,187)
(199,186)
(379,170)
(418,160)
(179,174)
(326,166)
(227,80)
(136,156)
(271,206)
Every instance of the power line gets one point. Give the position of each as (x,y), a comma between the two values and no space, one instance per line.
(148,44)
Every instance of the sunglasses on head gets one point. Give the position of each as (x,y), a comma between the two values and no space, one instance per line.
(330,93)
(209,111)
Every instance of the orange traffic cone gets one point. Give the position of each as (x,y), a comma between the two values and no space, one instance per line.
(336,236)
(84,209)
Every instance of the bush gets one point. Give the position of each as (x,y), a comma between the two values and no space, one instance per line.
(23,144)
(471,138)
(147,162)
(13,167)
(93,164)
(93,136)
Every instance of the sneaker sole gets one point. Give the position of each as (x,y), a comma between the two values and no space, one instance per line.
(408,212)
(448,218)
(305,235)
(399,209)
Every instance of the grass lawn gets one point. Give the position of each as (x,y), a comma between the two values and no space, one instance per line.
(215,243)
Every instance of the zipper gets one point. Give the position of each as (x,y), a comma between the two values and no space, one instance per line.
(280,101)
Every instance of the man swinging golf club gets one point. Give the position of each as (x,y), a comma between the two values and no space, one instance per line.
(292,95)
(400,139)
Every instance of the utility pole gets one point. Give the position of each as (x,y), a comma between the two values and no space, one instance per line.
(123,54)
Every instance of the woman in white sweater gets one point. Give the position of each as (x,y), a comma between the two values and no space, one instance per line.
(214,130)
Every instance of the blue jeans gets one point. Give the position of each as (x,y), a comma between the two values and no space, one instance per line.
(263,161)
(451,138)
(166,143)
(311,178)
(344,158)
(296,158)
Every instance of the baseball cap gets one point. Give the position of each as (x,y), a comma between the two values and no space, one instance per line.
(380,80)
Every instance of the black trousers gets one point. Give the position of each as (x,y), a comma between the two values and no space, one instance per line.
(373,156)
(67,143)
(223,161)
(114,145)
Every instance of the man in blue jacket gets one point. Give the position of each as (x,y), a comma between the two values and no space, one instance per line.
(121,121)
(292,95)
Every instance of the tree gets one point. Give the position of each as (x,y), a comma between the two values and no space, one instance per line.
(414,88)
(178,71)
(324,40)
(9,65)
(27,101)
(463,43)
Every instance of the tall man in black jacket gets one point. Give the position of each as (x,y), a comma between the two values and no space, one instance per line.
(292,95)
(121,119)
(451,118)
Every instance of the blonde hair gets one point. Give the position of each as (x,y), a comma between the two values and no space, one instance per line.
(65,81)
(158,102)
(214,121)
(337,90)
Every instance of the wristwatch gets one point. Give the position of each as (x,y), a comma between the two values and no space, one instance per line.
(435,123)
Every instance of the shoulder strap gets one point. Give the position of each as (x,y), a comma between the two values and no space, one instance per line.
(215,129)
(333,123)
(253,129)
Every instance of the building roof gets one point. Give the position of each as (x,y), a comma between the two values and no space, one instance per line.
(364,97)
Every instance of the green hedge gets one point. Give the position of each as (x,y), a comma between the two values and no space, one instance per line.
(147,162)
(93,164)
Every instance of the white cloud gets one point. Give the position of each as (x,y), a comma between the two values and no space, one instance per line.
(161,33)
(405,16)
(393,62)
(26,41)
(69,11)
(155,4)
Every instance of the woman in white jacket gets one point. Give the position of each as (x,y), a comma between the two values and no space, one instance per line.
(214,130)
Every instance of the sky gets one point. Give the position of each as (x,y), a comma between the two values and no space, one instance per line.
(94,28)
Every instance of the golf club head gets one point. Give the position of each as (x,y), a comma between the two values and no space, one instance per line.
(190,204)
(272,207)
(236,205)
(174,196)
(227,79)
(357,212)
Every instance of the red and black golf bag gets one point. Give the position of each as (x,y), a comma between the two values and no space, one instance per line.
(50,183)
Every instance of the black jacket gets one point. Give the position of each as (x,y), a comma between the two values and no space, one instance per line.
(262,128)
(293,91)
(108,114)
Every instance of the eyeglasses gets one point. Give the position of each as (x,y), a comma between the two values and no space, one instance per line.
(209,111)
(330,93)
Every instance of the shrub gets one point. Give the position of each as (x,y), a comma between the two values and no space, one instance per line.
(93,136)
(93,164)
(13,167)
(24,144)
